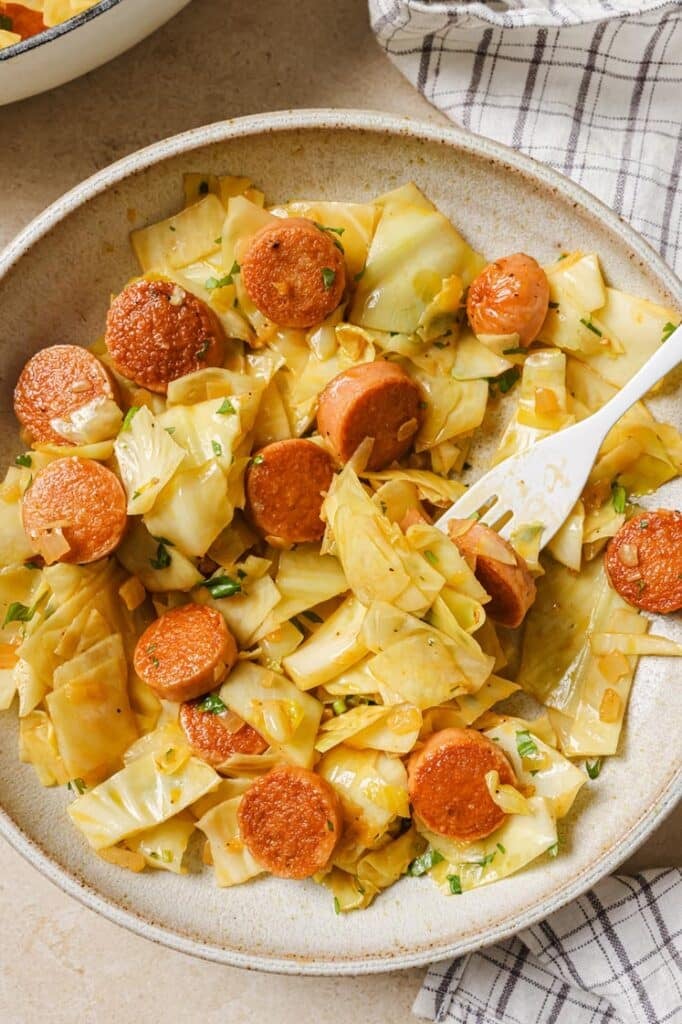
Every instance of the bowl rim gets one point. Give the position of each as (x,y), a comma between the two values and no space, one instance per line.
(372,122)
(56,31)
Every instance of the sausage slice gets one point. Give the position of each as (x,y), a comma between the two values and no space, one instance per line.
(54,383)
(157,332)
(510,296)
(294,273)
(185,653)
(446,783)
(290,820)
(508,583)
(644,561)
(83,500)
(285,486)
(375,400)
(209,736)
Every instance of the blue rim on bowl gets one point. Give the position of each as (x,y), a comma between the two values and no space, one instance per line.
(33,42)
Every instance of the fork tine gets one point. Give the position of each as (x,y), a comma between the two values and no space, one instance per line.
(493,514)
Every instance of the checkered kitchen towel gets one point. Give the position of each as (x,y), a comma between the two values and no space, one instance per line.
(612,956)
(591,87)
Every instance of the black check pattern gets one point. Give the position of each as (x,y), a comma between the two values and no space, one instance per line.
(590,87)
(612,956)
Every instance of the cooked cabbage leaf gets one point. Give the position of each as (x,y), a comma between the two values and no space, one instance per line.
(147,458)
(232,862)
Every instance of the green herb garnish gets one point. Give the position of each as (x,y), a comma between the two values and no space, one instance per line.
(128,418)
(360,274)
(553,305)
(553,849)
(212,704)
(169,430)
(324,227)
(590,326)
(312,616)
(328,277)
(506,381)
(257,459)
(330,825)
(525,744)
(619,497)
(23,460)
(76,786)
(519,350)
(18,612)
(500,847)
(6,22)
(162,559)
(203,349)
(31,565)
(226,408)
(455,885)
(211,283)
(337,905)
(217,448)
(428,859)
(339,706)
(431,558)
(667,331)
(222,586)
(484,861)
(593,768)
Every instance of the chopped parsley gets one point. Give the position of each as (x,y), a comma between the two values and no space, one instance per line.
(337,905)
(328,277)
(593,768)
(525,744)
(360,274)
(257,459)
(518,350)
(23,460)
(312,616)
(325,227)
(455,885)
(217,448)
(169,430)
(241,574)
(18,612)
(6,22)
(619,497)
(297,624)
(76,786)
(128,418)
(501,848)
(590,326)
(212,704)
(226,408)
(339,706)
(203,348)
(31,565)
(162,558)
(667,331)
(431,558)
(218,240)
(506,381)
(222,586)
(330,825)
(484,861)
(553,849)
(211,283)
(428,859)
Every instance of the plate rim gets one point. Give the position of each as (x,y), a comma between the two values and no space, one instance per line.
(361,121)
(48,35)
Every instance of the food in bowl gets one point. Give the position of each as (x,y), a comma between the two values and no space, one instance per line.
(19,21)
(227,612)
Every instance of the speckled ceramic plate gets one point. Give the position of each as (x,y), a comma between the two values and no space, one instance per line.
(55,280)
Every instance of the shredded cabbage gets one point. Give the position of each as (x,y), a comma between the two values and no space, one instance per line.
(147,458)
(232,862)
(372,788)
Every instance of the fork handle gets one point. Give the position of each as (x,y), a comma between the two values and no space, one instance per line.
(665,359)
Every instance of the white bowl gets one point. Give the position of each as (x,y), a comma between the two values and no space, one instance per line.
(79,45)
(55,282)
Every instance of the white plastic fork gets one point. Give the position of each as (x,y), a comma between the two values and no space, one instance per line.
(541,485)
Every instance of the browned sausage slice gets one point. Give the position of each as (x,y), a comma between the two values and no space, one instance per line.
(185,653)
(375,400)
(510,296)
(294,273)
(215,736)
(446,783)
(505,578)
(54,383)
(290,821)
(79,499)
(157,332)
(285,486)
(644,561)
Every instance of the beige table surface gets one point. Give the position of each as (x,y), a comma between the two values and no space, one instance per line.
(217,59)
